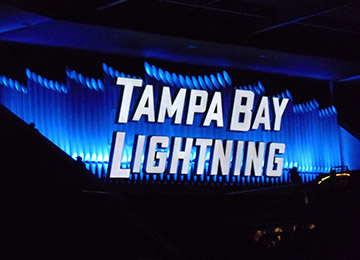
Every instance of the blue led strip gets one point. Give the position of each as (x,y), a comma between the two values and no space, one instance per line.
(206,82)
(85,81)
(114,73)
(44,82)
(12,84)
(78,115)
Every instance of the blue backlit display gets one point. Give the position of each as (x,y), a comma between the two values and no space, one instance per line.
(79,116)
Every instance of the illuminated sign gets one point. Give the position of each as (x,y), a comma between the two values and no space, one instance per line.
(170,128)
(157,154)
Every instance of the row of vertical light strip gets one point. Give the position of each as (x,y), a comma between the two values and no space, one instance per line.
(12,84)
(85,81)
(79,118)
(114,73)
(44,82)
(211,82)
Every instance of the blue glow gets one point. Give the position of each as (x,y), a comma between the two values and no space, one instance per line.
(195,82)
(214,81)
(202,82)
(208,82)
(334,110)
(28,73)
(105,68)
(182,81)
(101,85)
(221,80)
(72,124)
(4,81)
(189,82)
(46,83)
(169,78)
(162,76)
(227,78)
(94,84)
(17,85)
(155,72)
(111,72)
(33,76)
(11,83)
(261,86)
(176,80)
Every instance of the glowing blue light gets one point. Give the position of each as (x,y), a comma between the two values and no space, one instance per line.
(57,86)
(326,112)
(288,94)
(162,75)
(111,72)
(189,82)
(94,84)
(81,79)
(195,82)
(214,81)
(24,90)
(101,85)
(51,84)
(74,75)
(202,82)
(176,80)
(316,103)
(334,110)
(64,89)
(148,69)
(74,156)
(305,107)
(17,85)
(227,78)
(5,81)
(68,72)
(46,83)
(11,83)
(28,73)
(155,72)
(88,83)
(286,165)
(261,86)
(105,68)
(182,81)
(257,89)
(117,73)
(100,158)
(169,78)
(40,80)
(33,76)
(208,82)
(221,80)
(301,109)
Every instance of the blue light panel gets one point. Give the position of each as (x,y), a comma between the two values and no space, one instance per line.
(78,116)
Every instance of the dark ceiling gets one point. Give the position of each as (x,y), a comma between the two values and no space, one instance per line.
(312,27)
